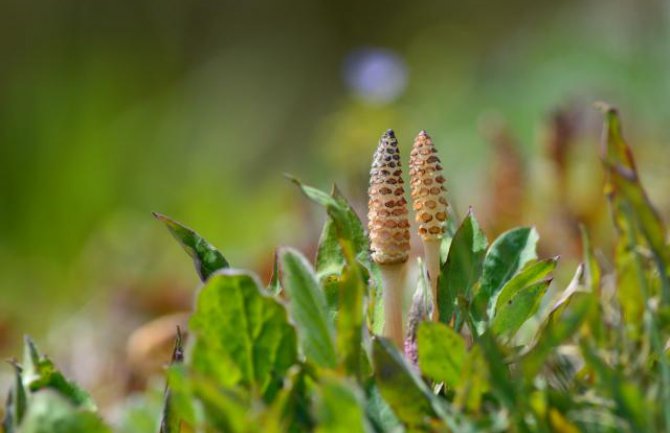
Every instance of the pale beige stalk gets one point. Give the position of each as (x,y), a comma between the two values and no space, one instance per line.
(388,229)
(394,277)
(430,205)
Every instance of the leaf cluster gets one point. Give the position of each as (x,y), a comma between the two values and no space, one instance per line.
(304,354)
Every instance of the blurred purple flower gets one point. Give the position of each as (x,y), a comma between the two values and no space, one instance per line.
(375,75)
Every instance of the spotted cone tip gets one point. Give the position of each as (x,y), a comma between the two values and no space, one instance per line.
(388,225)
(427,186)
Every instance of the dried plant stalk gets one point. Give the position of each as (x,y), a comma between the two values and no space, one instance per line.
(388,228)
(505,176)
(430,204)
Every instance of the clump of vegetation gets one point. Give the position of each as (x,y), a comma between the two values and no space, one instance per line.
(484,349)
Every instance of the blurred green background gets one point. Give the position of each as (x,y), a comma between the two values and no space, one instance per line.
(113,109)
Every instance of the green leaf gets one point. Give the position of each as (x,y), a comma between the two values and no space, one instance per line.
(442,353)
(293,406)
(631,269)
(375,310)
(564,320)
(639,227)
(592,270)
(350,229)
(623,180)
(506,386)
(408,396)
(347,224)
(379,412)
(17,403)
(234,318)
(514,308)
(627,395)
(474,381)
(329,258)
(307,307)
(50,412)
(40,373)
(631,207)
(463,267)
(206,258)
(329,265)
(343,240)
(449,232)
(226,410)
(274,286)
(171,419)
(138,413)
(9,422)
(507,255)
(592,277)
(340,408)
(178,408)
(343,277)
(350,320)
(532,273)
(210,358)
(412,402)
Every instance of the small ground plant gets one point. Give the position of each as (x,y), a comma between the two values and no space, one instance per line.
(324,348)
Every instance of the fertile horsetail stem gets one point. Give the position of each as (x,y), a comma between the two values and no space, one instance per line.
(430,204)
(388,228)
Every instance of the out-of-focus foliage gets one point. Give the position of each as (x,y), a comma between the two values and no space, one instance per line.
(290,360)
(112,109)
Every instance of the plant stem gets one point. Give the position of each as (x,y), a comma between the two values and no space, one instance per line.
(393,280)
(431,250)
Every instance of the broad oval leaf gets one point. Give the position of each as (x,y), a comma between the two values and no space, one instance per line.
(378,410)
(517,308)
(463,266)
(506,256)
(307,306)
(442,353)
(329,259)
(504,261)
(406,393)
(412,401)
(349,320)
(339,408)
(533,273)
(206,258)
(234,318)
(293,403)
(474,380)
